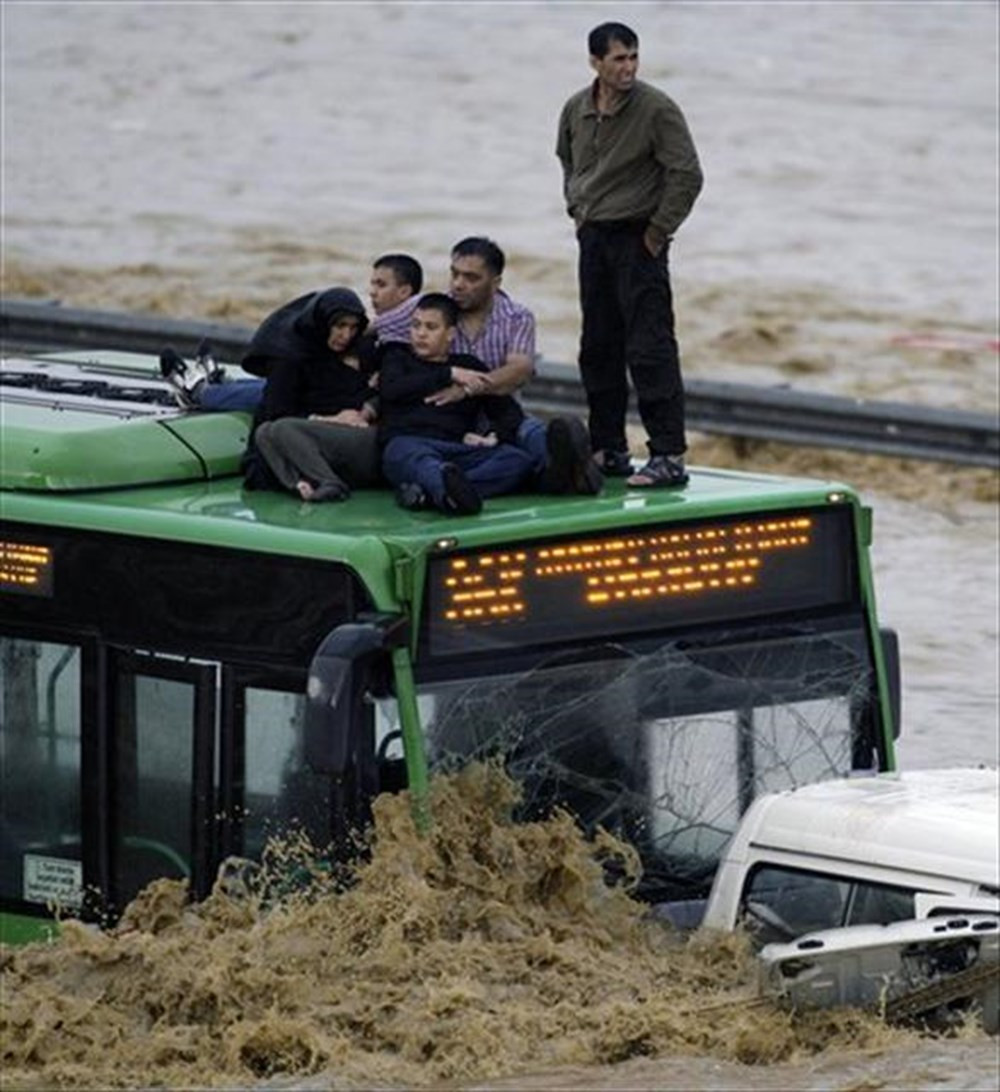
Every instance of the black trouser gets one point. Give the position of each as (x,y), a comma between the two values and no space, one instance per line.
(628,323)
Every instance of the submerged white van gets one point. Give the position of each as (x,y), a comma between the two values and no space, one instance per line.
(862,851)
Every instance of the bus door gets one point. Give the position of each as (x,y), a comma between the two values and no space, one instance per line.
(266,787)
(207,763)
(121,766)
(161,759)
(43,810)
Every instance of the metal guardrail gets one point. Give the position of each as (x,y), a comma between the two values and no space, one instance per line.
(733,409)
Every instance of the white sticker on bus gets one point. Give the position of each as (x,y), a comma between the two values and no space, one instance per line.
(53,880)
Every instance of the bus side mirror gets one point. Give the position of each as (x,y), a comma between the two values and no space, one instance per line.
(338,677)
(890,657)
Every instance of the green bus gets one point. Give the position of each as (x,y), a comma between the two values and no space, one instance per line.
(189,667)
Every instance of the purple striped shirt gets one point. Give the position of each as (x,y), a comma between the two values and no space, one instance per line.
(394,324)
(509,328)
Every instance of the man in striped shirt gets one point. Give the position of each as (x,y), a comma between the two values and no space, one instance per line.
(492,327)
(501,333)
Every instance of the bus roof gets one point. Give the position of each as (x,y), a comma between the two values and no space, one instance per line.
(101,435)
(96,421)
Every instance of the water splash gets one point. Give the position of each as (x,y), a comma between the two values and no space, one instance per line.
(487,949)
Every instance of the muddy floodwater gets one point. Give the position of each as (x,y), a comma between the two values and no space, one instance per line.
(489,954)
(213,160)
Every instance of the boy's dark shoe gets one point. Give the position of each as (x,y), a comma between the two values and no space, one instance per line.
(460,495)
(411,496)
(184,380)
(171,364)
(570,467)
(205,359)
(661,471)
(587,476)
(615,464)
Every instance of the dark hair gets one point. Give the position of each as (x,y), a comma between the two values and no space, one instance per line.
(332,305)
(445,306)
(600,38)
(478,246)
(407,270)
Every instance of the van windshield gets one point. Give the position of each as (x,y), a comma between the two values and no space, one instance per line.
(667,745)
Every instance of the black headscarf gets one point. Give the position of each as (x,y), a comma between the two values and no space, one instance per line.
(298,331)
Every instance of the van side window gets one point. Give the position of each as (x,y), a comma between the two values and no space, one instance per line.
(878,904)
(779,904)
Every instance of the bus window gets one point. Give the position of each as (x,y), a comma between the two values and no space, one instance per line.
(704,770)
(694,811)
(40,753)
(797,743)
(388,730)
(276,783)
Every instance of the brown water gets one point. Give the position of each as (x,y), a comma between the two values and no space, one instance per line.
(211,159)
(488,950)
(214,160)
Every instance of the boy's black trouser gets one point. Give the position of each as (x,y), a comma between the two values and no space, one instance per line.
(628,323)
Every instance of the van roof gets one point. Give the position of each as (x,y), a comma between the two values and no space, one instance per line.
(939,822)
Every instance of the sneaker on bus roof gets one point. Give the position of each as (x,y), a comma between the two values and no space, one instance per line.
(204,358)
(411,496)
(183,378)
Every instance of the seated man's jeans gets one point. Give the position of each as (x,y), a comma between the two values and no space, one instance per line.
(531,437)
(493,471)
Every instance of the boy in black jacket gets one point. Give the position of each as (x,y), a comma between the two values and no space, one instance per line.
(437,454)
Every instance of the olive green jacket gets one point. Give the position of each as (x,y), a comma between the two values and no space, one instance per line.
(636,163)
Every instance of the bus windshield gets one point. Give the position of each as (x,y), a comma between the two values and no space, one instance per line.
(665,743)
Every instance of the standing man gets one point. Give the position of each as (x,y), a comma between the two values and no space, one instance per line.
(630,177)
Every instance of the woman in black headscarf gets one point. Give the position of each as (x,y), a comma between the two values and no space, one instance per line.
(312,433)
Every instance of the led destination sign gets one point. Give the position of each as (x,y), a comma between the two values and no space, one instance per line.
(600,585)
(25,568)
